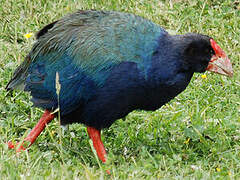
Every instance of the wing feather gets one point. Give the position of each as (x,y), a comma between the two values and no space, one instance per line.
(83,47)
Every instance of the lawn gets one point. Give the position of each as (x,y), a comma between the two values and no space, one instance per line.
(195,136)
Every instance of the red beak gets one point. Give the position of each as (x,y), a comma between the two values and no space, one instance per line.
(219,62)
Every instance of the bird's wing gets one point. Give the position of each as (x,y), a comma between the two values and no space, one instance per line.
(83,48)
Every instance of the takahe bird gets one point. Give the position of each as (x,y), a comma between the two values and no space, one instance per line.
(109,64)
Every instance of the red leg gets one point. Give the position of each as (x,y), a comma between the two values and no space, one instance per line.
(32,136)
(94,134)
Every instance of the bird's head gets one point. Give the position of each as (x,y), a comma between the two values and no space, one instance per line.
(202,53)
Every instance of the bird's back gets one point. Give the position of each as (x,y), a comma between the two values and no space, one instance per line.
(85,48)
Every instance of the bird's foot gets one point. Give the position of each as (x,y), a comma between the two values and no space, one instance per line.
(32,136)
(19,146)
(95,136)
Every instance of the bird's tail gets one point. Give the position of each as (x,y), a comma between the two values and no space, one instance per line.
(19,76)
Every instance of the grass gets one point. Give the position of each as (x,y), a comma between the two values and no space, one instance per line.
(195,136)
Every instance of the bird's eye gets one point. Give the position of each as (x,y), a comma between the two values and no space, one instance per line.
(211,51)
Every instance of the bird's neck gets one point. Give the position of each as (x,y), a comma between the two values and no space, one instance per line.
(167,66)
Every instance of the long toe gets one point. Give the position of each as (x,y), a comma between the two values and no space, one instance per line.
(20,147)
